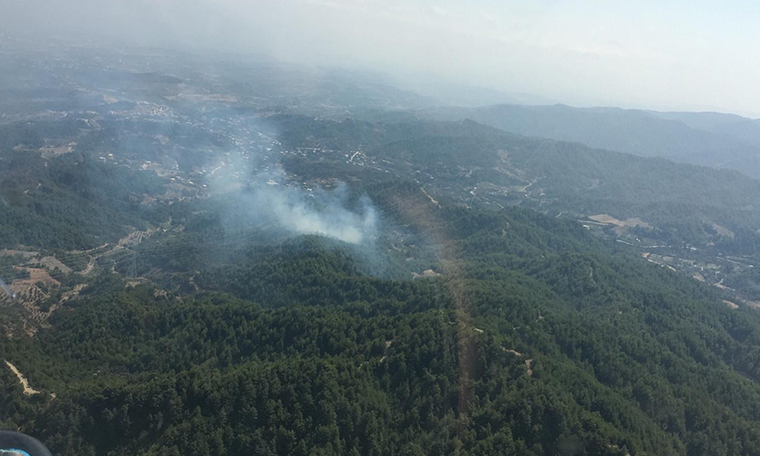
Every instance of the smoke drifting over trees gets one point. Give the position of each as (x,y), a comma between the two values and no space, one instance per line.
(270,198)
(325,213)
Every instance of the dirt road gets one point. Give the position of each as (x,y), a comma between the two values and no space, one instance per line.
(28,390)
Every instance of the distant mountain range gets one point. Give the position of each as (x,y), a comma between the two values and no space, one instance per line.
(708,139)
(695,219)
(169,233)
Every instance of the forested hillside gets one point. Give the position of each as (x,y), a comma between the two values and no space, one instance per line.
(217,258)
(700,221)
(560,345)
(73,202)
(707,139)
(478,164)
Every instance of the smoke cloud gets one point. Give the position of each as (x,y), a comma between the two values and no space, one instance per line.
(7,289)
(320,212)
(274,199)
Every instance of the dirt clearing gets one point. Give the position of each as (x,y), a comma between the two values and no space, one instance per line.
(426,274)
(22,253)
(53,263)
(731,305)
(50,152)
(627,223)
(528,362)
(28,390)
(432,200)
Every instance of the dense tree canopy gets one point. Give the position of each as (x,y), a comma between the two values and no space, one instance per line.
(301,352)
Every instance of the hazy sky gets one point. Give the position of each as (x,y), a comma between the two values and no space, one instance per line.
(687,55)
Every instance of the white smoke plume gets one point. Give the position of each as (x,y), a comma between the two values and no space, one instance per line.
(320,212)
(272,198)
(7,289)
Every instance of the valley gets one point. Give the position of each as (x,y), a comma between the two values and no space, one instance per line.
(219,262)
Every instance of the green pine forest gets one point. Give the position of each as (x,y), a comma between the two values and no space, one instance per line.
(537,339)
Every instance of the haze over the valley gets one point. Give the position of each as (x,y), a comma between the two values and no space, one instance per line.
(677,55)
(380,227)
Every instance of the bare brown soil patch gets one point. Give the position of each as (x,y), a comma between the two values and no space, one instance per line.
(52,263)
(723,231)
(22,253)
(49,152)
(627,223)
(731,305)
(428,273)
(28,390)
(528,362)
